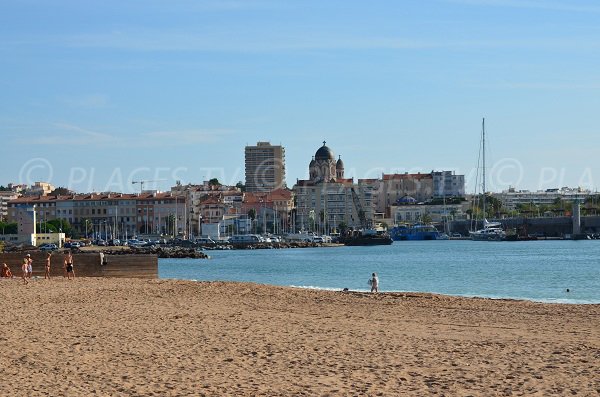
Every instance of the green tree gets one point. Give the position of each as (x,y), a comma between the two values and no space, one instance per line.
(170,222)
(214,182)
(493,206)
(8,228)
(60,191)
(47,227)
(86,226)
(62,224)
(241,186)
(426,218)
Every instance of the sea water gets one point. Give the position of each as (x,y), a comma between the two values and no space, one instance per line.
(547,271)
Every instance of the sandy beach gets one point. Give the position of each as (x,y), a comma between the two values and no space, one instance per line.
(130,337)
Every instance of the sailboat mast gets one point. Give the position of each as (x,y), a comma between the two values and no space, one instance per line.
(483,165)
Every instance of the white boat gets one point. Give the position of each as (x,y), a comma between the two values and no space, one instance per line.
(491,231)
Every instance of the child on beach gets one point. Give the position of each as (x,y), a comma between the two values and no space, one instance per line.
(6,273)
(48,259)
(25,269)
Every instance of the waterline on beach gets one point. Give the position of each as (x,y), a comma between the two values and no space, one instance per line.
(540,271)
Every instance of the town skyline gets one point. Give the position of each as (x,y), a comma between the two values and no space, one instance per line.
(96,96)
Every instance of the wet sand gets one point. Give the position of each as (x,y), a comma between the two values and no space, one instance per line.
(124,337)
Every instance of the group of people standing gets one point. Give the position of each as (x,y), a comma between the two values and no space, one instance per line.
(27,267)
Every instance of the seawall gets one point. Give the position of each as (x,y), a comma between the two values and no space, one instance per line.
(87,265)
(550,227)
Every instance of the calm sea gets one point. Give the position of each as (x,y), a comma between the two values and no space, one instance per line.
(534,270)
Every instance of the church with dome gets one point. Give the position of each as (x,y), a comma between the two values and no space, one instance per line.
(328,198)
(324,168)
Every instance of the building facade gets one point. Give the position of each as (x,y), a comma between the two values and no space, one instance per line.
(265,167)
(511,198)
(5,197)
(109,215)
(448,184)
(328,199)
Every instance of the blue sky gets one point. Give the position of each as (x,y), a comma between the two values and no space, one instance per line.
(95,94)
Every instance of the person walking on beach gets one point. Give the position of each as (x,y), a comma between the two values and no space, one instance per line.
(65,260)
(25,270)
(69,266)
(29,265)
(374,282)
(6,273)
(48,259)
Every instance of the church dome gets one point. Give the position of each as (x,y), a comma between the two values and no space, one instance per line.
(340,164)
(324,153)
(312,162)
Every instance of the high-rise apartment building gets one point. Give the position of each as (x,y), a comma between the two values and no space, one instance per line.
(265,167)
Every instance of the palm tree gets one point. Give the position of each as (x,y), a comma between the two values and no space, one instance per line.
(252,216)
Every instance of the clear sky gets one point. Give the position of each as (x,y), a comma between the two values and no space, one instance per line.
(94,95)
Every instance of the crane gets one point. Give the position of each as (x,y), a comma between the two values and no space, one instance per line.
(142,183)
(359,209)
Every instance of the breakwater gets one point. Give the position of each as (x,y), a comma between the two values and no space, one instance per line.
(87,264)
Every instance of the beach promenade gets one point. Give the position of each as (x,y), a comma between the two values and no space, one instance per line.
(136,337)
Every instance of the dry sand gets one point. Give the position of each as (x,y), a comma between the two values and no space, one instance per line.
(125,337)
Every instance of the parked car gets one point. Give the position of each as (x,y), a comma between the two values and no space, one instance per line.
(205,240)
(75,244)
(48,247)
(245,239)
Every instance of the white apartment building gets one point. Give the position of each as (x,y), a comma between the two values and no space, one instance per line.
(448,184)
(511,198)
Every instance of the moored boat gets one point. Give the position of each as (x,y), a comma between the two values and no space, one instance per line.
(363,237)
(418,231)
(491,231)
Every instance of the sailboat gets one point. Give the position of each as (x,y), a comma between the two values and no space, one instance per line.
(491,231)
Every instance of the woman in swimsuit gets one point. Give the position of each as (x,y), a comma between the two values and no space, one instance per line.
(48,259)
(29,265)
(24,269)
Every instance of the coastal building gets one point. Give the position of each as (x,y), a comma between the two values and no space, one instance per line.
(395,187)
(39,189)
(5,197)
(437,213)
(328,199)
(448,184)
(109,215)
(272,210)
(265,167)
(28,232)
(512,198)
(230,196)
